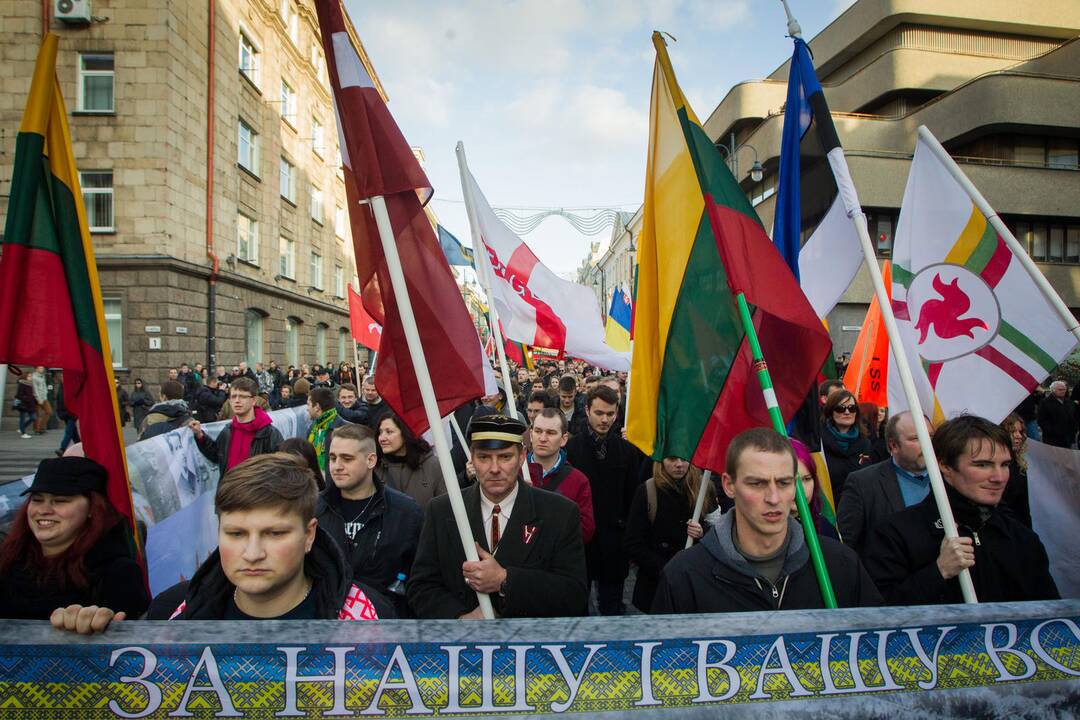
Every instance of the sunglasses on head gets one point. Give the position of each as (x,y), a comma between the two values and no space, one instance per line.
(846,409)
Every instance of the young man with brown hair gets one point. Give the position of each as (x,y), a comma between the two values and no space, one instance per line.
(550,470)
(250,432)
(755,557)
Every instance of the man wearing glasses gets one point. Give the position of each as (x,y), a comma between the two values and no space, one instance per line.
(249,434)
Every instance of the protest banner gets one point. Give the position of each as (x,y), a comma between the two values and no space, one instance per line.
(944,661)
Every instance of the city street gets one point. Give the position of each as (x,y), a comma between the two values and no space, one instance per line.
(20,457)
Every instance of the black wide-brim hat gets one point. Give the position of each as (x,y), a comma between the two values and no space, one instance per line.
(495,432)
(69,476)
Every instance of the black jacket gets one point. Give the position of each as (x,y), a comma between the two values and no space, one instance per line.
(208,402)
(266,440)
(652,545)
(613,481)
(207,595)
(540,548)
(115,581)
(842,462)
(165,417)
(1057,420)
(713,576)
(386,544)
(375,413)
(1010,561)
(871,496)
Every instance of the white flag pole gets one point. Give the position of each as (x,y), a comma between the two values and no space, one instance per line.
(356,350)
(995,220)
(479,252)
(699,502)
(846,189)
(427,391)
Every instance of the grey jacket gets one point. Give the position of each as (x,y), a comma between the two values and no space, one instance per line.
(422,484)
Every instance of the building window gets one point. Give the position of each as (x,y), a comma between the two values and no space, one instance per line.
(247,238)
(97,78)
(253,336)
(339,281)
(343,345)
(318,137)
(316,271)
(292,340)
(114,325)
(288,181)
(339,221)
(249,58)
(294,27)
(97,192)
(248,148)
(288,103)
(1063,153)
(287,258)
(316,204)
(320,342)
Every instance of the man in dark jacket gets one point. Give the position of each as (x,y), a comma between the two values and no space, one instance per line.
(755,557)
(572,405)
(349,406)
(377,527)
(208,400)
(613,467)
(373,403)
(532,563)
(885,488)
(250,433)
(912,561)
(170,413)
(1057,416)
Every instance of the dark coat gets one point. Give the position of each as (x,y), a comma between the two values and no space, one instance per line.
(141,402)
(206,596)
(1057,420)
(208,402)
(115,581)
(652,545)
(613,481)
(545,575)
(165,417)
(1010,560)
(386,545)
(872,495)
(1016,494)
(713,576)
(266,440)
(842,462)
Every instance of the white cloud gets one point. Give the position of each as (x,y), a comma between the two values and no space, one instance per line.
(607,117)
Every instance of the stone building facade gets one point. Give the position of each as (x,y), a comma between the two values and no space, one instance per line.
(265,196)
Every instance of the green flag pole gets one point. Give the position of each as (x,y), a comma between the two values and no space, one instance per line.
(765,380)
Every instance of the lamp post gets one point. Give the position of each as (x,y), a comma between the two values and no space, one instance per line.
(731,151)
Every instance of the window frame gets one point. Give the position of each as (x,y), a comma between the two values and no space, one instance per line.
(254,76)
(315,270)
(289,103)
(252,256)
(315,207)
(82,75)
(339,280)
(318,137)
(253,145)
(254,338)
(109,191)
(291,196)
(288,254)
(115,348)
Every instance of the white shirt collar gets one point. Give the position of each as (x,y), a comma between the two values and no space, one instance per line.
(506,506)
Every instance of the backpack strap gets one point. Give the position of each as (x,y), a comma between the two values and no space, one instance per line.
(650,497)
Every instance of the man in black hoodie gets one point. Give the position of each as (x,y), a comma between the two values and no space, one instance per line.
(377,527)
(755,556)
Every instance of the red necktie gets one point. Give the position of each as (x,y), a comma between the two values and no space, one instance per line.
(495,527)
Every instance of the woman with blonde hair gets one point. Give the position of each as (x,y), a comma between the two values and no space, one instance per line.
(1016,492)
(660,521)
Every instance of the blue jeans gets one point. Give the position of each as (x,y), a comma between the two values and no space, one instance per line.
(1033,430)
(71,434)
(26,419)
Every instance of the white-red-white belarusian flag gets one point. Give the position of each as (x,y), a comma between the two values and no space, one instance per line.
(535,306)
(978,333)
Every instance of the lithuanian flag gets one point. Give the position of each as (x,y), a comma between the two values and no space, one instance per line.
(50,299)
(701,243)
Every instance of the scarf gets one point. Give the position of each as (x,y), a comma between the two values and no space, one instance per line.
(317,434)
(598,443)
(242,436)
(843,438)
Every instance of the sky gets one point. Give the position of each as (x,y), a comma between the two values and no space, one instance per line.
(551,97)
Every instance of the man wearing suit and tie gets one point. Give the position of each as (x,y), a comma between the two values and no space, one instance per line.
(532,560)
(874,493)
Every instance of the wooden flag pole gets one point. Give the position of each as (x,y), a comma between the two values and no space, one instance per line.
(699,502)
(427,390)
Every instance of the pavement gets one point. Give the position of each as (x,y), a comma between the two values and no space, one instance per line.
(19,457)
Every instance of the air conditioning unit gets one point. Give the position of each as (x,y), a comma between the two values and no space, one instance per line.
(72,11)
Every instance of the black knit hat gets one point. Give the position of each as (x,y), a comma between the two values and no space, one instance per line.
(69,476)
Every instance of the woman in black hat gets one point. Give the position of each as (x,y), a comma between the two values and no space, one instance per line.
(68,546)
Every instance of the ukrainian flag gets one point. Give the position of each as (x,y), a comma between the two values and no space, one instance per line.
(617,332)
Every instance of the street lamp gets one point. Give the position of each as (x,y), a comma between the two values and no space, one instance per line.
(731,154)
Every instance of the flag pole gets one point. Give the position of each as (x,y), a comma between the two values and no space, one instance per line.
(485,279)
(854,211)
(699,502)
(1047,290)
(427,391)
(356,350)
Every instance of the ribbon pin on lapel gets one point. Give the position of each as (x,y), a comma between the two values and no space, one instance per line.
(527,533)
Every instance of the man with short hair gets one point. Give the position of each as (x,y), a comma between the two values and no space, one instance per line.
(373,404)
(1057,416)
(827,388)
(551,471)
(572,404)
(348,404)
(912,561)
(173,374)
(324,419)
(208,400)
(242,370)
(531,560)
(169,413)
(250,433)
(874,493)
(755,557)
(377,526)
(612,466)
(284,397)
(539,400)
(191,384)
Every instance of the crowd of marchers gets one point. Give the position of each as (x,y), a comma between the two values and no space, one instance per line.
(354,522)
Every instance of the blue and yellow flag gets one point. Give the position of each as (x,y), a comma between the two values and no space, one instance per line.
(617,331)
(455,252)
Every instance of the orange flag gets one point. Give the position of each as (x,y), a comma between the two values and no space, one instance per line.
(868,370)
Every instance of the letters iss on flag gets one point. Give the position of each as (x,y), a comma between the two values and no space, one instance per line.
(979,334)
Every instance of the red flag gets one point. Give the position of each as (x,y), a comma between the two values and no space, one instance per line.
(365,330)
(378,161)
